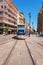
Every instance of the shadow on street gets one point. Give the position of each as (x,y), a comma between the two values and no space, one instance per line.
(18,38)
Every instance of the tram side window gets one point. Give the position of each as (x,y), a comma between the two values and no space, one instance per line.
(21,26)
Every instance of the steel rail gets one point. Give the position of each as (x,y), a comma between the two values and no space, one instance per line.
(30,53)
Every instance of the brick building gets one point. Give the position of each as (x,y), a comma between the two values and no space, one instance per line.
(8,15)
(40,20)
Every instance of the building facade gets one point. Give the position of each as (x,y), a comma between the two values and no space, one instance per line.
(40,21)
(21,19)
(8,15)
(29,27)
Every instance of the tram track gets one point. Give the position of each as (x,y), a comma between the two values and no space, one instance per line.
(30,53)
(28,50)
(9,53)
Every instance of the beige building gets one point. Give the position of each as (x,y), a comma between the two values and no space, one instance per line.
(21,18)
(28,26)
(8,15)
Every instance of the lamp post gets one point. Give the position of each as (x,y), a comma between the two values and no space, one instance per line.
(29,18)
(32,25)
(29,23)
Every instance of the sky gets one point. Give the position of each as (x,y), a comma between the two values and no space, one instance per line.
(29,6)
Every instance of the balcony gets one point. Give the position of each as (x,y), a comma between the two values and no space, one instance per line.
(12,16)
(8,18)
(11,10)
(7,22)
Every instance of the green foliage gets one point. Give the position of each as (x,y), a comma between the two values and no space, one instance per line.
(6,28)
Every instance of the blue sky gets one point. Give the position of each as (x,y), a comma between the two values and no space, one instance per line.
(29,6)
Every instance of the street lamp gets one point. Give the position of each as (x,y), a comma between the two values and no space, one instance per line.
(32,24)
(29,23)
(29,18)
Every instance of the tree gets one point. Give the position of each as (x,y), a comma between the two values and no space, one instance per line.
(6,28)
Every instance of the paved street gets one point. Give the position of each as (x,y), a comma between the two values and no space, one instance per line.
(21,50)
(35,45)
(5,38)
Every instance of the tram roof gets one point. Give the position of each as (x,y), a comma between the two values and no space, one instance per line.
(21,24)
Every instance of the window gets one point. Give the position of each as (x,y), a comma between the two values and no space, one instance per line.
(0,24)
(6,13)
(1,12)
(9,10)
(5,24)
(1,6)
(5,7)
(9,15)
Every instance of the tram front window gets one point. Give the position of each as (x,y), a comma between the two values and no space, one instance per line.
(21,32)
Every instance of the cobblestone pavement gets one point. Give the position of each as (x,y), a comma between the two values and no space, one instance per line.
(21,50)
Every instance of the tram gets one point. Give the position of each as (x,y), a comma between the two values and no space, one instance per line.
(21,29)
